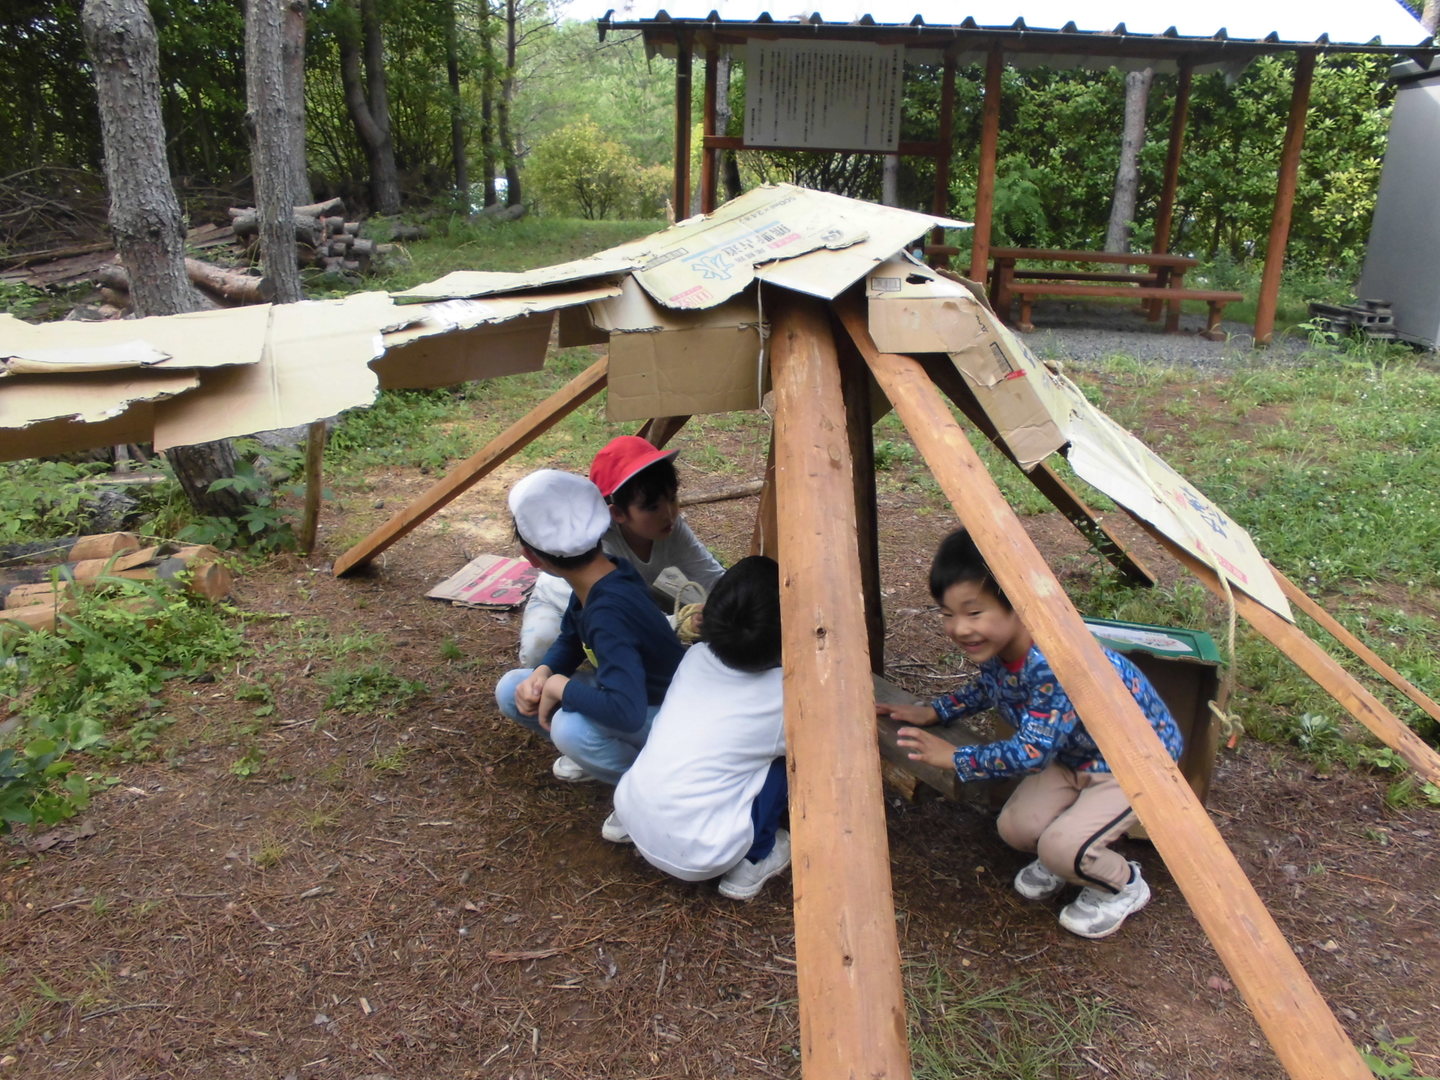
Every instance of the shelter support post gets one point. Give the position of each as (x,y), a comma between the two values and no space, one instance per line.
(1315,662)
(855,386)
(1284,198)
(682,127)
(315,439)
(1165,215)
(985,184)
(659,430)
(940,203)
(474,468)
(1303,1032)
(1332,626)
(1046,480)
(852,1010)
(709,156)
(765,539)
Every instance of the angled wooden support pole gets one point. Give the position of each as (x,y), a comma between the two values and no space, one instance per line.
(765,539)
(1332,626)
(1323,668)
(659,430)
(1305,1035)
(474,468)
(1046,480)
(852,1007)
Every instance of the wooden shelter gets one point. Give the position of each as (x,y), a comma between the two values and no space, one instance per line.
(1223,35)
(822,271)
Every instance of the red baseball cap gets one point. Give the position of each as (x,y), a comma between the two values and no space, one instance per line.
(620,459)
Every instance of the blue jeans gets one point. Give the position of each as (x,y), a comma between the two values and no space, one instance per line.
(765,811)
(602,752)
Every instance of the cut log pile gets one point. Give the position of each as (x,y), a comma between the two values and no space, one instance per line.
(323,237)
(36,595)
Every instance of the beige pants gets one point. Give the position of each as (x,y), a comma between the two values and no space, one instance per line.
(1069,820)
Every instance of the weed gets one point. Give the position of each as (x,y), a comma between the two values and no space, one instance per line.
(272,851)
(258,692)
(1391,1060)
(889,453)
(249,763)
(392,760)
(322,817)
(368,688)
(450,650)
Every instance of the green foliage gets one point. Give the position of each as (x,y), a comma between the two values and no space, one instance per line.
(368,688)
(1392,1060)
(264,525)
(78,689)
(40,500)
(19,299)
(578,171)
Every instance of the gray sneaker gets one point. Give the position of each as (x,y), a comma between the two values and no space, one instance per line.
(1036,882)
(568,770)
(744,880)
(1096,913)
(614,830)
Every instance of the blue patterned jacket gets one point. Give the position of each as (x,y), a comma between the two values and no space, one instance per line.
(1047,728)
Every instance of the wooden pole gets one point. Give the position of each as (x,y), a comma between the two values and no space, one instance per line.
(1284,199)
(1305,1035)
(1331,626)
(1323,668)
(314,483)
(709,156)
(682,128)
(659,430)
(470,471)
(985,184)
(765,539)
(852,1006)
(855,383)
(1164,217)
(940,203)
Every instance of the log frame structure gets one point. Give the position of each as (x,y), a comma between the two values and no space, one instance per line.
(683,37)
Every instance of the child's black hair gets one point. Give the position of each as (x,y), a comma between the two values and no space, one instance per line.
(741,620)
(656,481)
(561,562)
(957,559)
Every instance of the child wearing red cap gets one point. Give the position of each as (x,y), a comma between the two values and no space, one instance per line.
(641,486)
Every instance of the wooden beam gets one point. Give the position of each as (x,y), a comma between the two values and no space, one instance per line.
(470,471)
(1286,181)
(1047,481)
(765,539)
(682,128)
(1164,217)
(314,483)
(1332,626)
(985,184)
(1305,1035)
(847,953)
(1323,668)
(709,156)
(659,430)
(855,387)
(940,203)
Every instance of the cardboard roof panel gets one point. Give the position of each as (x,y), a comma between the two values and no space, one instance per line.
(198,339)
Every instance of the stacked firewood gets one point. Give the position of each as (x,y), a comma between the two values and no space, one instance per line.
(323,237)
(38,588)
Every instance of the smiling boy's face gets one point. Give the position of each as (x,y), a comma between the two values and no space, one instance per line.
(982,627)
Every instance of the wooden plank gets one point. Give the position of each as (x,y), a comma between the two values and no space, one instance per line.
(765,538)
(659,430)
(1287,178)
(1123,258)
(1305,1035)
(946,782)
(1335,629)
(855,388)
(852,1005)
(1323,668)
(1062,496)
(474,468)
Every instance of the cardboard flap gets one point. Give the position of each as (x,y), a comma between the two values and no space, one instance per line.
(118,357)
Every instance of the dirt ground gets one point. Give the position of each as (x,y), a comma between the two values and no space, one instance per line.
(408,893)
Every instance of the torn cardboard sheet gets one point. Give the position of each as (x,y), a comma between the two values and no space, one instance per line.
(488,581)
(315,364)
(467,284)
(87,397)
(197,339)
(129,354)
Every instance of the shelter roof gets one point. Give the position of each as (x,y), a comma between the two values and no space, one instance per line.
(1051,33)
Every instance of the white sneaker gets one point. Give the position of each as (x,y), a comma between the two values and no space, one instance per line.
(568,770)
(744,880)
(615,831)
(1096,913)
(1036,882)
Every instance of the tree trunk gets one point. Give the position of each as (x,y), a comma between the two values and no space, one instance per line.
(487,101)
(292,60)
(890,180)
(268,119)
(144,213)
(729,160)
(507,98)
(457,108)
(360,97)
(1127,176)
(1430,17)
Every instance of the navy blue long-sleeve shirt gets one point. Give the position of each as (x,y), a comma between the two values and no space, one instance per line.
(630,642)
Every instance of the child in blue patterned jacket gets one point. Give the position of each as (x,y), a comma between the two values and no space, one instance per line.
(1068,809)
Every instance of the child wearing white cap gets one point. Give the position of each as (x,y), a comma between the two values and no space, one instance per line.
(600,720)
(646,529)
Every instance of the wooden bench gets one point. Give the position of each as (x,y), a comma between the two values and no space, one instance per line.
(1026,291)
(1141,277)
